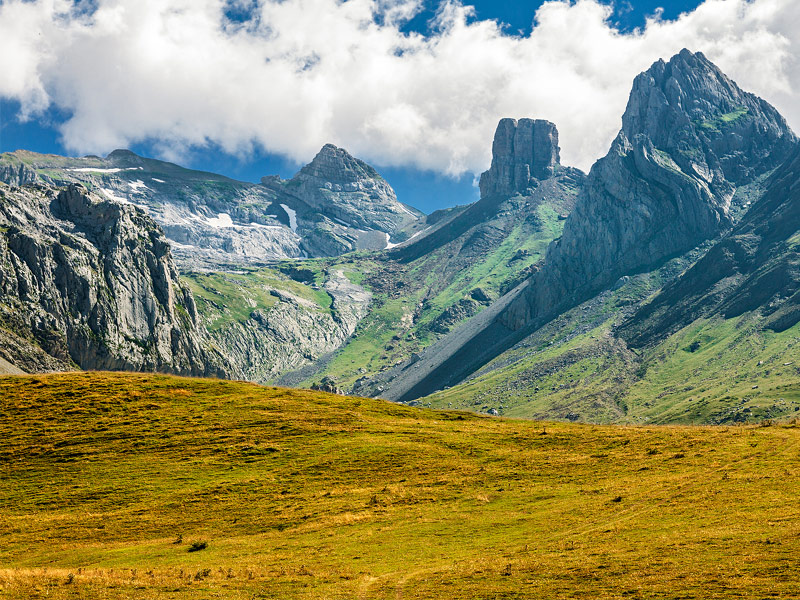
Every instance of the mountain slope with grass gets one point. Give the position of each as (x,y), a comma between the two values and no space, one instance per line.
(465,260)
(150,486)
(692,156)
(717,343)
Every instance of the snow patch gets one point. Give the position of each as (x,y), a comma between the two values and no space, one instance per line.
(262,226)
(418,233)
(222,220)
(292,217)
(405,210)
(111,196)
(389,244)
(137,185)
(182,246)
(341,222)
(158,180)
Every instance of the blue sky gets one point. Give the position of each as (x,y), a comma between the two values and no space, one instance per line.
(68,114)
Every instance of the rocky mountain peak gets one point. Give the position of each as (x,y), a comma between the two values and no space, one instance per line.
(343,202)
(690,137)
(124,158)
(710,127)
(337,165)
(523,151)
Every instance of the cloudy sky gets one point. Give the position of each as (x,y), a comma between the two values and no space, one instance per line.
(258,86)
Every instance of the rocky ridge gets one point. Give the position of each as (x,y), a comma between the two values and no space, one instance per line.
(754,268)
(333,205)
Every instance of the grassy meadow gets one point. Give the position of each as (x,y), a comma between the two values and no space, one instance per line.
(155,487)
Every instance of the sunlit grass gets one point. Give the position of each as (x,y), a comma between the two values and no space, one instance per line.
(107,479)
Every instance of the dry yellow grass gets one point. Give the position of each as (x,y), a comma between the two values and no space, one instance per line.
(108,478)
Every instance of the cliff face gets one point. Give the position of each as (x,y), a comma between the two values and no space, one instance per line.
(756,267)
(523,152)
(92,283)
(294,332)
(689,137)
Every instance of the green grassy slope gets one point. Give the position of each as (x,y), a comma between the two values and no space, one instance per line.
(224,298)
(407,298)
(713,371)
(414,303)
(108,479)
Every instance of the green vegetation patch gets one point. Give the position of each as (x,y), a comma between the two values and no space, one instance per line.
(224,298)
(719,122)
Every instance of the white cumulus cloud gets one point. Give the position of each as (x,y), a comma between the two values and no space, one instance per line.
(299,73)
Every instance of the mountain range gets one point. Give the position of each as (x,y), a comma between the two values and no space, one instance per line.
(662,286)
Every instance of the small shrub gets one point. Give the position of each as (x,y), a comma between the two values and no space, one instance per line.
(70,578)
(197,546)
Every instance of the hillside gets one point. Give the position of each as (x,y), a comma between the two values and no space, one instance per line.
(461,263)
(290,322)
(694,154)
(109,479)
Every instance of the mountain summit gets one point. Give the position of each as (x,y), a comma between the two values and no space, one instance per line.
(690,136)
(343,204)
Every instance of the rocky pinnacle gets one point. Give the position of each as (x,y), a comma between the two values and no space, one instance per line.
(523,152)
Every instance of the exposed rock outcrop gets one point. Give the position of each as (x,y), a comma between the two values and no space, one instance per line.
(756,267)
(92,283)
(523,152)
(525,174)
(294,332)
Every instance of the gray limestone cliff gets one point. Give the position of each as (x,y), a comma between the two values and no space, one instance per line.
(523,152)
(754,268)
(91,283)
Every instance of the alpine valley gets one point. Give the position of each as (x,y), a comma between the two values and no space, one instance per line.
(661,287)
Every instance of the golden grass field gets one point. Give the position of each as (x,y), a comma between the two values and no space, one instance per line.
(107,479)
